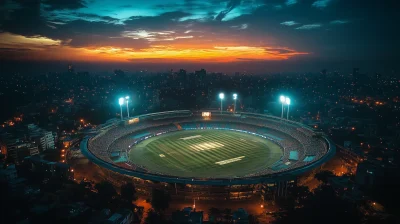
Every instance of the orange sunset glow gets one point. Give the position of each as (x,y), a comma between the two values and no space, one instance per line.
(42,48)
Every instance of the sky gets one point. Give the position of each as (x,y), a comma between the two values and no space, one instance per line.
(240,34)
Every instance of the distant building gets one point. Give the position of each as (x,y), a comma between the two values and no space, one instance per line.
(123,216)
(187,215)
(340,184)
(272,191)
(369,173)
(70,68)
(36,164)
(9,176)
(200,77)
(17,149)
(44,139)
(8,173)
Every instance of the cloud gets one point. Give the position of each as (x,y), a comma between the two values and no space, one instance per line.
(290,2)
(321,3)
(93,41)
(240,27)
(338,22)
(229,7)
(71,16)
(163,21)
(289,23)
(309,26)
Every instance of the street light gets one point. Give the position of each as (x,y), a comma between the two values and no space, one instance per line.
(127,108)
(288,105)
(121,102)
(234,97)
(221,96)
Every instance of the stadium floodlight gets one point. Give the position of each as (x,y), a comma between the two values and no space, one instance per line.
(221,96)
(287,100)
(127,107)
(121,102)
(234,97)
(283,101)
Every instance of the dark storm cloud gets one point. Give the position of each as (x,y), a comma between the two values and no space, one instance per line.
(163,21)
(28,21)
(25,20)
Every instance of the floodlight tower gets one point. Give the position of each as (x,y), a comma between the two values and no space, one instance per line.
(121,102)
(283,101)
(287,100)
(127,108)
(234,98)
(221,96)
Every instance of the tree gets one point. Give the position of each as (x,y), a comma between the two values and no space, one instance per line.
(324,175)
(253,219)
(160,200)
(322,207)
(300,194)
(106,192)
(227,214)
(154,217)
(128,193)
(214,214)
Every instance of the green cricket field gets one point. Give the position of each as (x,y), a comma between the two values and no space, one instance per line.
(206,153)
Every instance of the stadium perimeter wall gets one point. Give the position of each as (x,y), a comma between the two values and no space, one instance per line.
(271,178)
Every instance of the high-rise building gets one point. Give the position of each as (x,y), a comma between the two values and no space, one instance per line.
(17,149)
(70,68)
(200,77)
(44,139)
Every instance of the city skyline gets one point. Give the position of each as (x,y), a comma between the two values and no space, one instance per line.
(285,35)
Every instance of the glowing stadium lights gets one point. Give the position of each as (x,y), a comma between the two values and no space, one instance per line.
(282,99)
(287,100)
(121,102)
(234,97)
(127,107)
(221,96)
